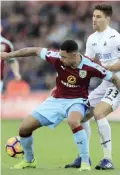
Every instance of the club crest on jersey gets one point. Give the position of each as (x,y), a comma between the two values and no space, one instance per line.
(71,79)
(82,73)
(118,49)
(105,43)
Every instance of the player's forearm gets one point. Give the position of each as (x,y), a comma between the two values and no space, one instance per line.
(114,67)
(31,51)
(116,81)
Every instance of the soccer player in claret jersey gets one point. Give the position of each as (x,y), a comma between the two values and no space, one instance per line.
(7,46)
(69,99)
(104,47)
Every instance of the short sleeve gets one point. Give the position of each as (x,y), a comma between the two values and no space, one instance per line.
(101,72)
(49,55)
(43,53)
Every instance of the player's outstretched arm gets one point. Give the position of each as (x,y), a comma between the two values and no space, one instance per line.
(116,81)
(30,51)
(114,67)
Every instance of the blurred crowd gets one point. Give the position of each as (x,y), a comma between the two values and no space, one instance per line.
(47,24)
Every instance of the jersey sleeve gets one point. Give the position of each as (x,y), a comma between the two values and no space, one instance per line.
(49,55)
(101,72)
(89,50)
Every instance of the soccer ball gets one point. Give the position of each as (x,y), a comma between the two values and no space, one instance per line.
(14,148)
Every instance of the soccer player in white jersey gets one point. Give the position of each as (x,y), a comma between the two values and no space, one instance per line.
(103,46)
(68,100)
(7,46)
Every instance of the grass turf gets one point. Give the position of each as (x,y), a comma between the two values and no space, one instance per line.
(55,148)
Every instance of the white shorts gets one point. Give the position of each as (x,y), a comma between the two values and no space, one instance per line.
(1,86)
(106,92)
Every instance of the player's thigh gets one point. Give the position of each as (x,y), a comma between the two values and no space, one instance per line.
(75,114)
(30,123)
(102,110)
(88,116)
(49,113)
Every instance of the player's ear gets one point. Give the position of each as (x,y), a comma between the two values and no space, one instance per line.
(74,55)
(108,19)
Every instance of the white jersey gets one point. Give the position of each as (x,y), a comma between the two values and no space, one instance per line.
(106,47)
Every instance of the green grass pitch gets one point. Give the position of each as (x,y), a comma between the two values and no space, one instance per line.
(54,148)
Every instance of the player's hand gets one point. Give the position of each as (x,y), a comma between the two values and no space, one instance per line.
(17,77)
(4,55)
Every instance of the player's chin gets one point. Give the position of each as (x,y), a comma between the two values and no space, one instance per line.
(94,27)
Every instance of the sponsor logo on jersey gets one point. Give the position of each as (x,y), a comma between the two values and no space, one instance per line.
(112,36)
(118,48)
(82,73)
(71,79)
(104,56)
(69,85)
(94,44)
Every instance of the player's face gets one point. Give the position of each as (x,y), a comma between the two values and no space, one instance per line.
(68,59)
(100,21)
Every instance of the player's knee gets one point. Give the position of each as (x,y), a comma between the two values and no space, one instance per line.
(24,132)
(72,124)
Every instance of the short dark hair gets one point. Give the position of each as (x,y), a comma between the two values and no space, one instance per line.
(69,46)
(105,8)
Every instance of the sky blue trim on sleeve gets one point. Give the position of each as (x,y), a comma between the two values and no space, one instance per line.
(10,60)
(43,54)
(81,63)
(108,76)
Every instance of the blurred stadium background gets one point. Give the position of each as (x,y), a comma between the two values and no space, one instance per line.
(46,24)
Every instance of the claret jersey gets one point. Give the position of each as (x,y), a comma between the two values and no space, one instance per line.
(73,83)
(5,46)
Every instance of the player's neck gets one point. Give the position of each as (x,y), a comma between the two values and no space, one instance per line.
(102,29)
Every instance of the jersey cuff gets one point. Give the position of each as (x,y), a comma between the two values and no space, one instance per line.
(43,53)
(109,76)
(10,60)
